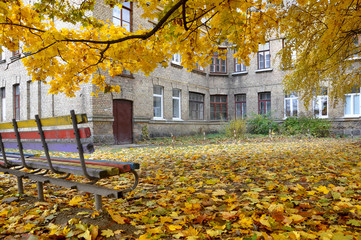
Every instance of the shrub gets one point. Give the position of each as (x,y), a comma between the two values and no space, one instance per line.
(236,127)
(261,124)
(314,126)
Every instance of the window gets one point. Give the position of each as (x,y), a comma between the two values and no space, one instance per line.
(264,103)
(199,67)
(291,105)
(123,16)
(177,59)
(218,107)
(158,102)
(3,104)
(320,108)
(241,107)
(239,67)
(264,56)
(352,103)
(196,106)
(218,65)
(16,93)
(176,103)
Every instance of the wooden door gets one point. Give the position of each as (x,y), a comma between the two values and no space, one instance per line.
(123,121)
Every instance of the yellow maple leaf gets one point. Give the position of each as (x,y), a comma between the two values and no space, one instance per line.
(296,218)
(154,230)
(174,227)
(219,192)
(75,201)
(29,226)
(107,233)
(323,189)
(214,233)
(86,235)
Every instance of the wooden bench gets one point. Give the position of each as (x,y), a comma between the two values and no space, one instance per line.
(64,135)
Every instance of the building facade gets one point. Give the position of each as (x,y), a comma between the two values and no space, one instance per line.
(172,100)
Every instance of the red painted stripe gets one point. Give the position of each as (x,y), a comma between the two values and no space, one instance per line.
(51,134)
(123,168)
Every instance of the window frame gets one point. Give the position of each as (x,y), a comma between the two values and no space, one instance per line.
(242,104)
(199,112)
(161,96)
(242,66)
(318,100)
(219,62)
(121,19)
(177,98)
(221,104)
(291,97)
(177,59)
(16,101)
(265,102)
(3,103)
(352,96)
(262,50)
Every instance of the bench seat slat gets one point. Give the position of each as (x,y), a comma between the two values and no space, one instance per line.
(73,169)
(50,134)
(60,147)
(122,166)
(46,122)
(110,170)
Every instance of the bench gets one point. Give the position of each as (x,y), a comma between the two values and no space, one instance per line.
(58,134)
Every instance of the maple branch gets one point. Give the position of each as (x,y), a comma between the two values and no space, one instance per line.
(30,54)
(137,36)
(23,26)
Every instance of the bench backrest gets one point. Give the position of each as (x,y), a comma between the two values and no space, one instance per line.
(30,135)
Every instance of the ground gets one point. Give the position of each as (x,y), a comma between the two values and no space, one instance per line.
(264,188)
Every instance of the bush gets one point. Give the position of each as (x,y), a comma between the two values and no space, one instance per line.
(236,127)
(261,124)
(314,126)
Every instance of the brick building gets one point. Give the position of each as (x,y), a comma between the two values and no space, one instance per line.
(172,100)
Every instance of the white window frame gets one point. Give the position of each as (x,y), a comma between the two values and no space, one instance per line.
(239,67)
(3,104)
(352,105)
(318,101)
(263,51)
(161,103)
(291,97)
(177,98)
(177,59)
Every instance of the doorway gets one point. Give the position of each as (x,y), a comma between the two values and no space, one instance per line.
(123,121)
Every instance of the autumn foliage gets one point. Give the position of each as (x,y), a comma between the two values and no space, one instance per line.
(323,34)
(252,189)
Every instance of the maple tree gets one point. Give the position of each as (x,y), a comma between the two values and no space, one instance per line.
(321,32)
(325,37)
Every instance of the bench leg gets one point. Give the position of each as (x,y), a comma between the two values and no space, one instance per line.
(40,191)
(98,202)
(20,185)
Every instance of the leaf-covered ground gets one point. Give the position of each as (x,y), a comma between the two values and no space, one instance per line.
(284,189)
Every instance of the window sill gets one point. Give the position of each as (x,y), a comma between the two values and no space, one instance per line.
(158,119)
(352,116)
(177,119)
(2,61)
(264,70)
(199,72)
(219,74)
(239,73)
(177,65)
